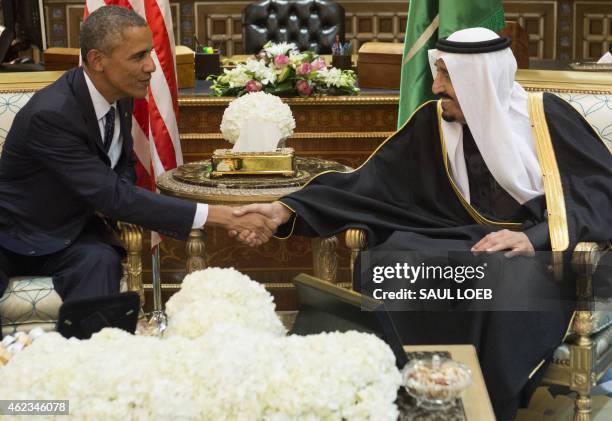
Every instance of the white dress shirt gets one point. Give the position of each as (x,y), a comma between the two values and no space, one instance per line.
(101,107)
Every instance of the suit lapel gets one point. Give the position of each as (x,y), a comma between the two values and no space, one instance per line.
(89,115)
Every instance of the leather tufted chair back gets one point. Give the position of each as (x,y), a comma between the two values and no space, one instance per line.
(310,24)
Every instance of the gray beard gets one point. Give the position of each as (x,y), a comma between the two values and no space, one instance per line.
(448,118)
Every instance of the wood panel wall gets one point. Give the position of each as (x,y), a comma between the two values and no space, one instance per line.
(558,29)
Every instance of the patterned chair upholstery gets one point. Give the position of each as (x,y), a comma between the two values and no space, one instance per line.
(29,302)
(586,353)
(597,109)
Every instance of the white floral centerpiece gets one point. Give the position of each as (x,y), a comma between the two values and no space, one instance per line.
(258,106)
(281,69)
(215,295)
(241,366)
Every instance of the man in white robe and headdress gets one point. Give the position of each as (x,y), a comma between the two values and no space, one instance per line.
(466,173)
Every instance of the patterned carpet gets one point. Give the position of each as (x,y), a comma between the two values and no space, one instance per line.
(545,406)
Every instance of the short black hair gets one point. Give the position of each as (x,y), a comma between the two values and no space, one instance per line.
(103,28)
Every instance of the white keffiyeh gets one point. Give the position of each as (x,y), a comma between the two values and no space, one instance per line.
(495,109)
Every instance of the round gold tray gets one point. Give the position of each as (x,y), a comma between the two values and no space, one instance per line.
(192,181)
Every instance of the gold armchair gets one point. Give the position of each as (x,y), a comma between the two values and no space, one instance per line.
(586,354)
(31,301)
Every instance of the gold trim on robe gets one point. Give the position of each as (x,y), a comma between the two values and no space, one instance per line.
(515,226)
(553,190)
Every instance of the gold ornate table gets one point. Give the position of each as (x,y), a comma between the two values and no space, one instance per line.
(192,181)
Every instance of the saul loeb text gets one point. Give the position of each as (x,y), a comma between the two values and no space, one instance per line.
(406,273)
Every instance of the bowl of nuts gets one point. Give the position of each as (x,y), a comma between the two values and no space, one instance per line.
(436,382)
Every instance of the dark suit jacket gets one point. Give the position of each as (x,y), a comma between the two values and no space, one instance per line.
(54,174)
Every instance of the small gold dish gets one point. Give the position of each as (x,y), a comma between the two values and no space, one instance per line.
(227,163)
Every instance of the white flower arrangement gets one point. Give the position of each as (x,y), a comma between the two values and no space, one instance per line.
(259,106)
(236,78)
(235,370)
(281,69)
(331,77)
(212,296)
(261,72)
(272,50)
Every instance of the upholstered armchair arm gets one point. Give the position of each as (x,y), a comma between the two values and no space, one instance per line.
(131,236)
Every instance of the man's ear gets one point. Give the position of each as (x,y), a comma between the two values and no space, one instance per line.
(94,60)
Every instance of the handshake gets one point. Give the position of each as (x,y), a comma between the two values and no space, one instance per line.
(253,224)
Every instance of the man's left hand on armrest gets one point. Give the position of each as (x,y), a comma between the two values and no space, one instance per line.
(517,243)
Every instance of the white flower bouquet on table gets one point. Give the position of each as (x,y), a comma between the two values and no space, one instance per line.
(236,369)
(281,69)
(255,111)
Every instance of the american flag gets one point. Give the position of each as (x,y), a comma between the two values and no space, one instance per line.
(155,119)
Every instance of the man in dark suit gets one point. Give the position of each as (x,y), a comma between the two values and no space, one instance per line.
(67,168)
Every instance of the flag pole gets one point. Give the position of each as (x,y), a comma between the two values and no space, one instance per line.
(158,317)
(155,266)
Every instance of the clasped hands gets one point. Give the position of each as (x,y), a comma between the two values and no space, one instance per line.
(253,224)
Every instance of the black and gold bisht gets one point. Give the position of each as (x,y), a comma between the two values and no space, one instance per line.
(404,197)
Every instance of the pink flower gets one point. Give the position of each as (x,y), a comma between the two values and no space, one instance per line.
(303,87)
(253,86)
(281,60)
(318,64)
(304,69)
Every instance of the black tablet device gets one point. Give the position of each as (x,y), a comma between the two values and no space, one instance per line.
(83,318)
(325,307)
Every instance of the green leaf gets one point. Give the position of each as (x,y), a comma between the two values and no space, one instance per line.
(284,74)
(283,87)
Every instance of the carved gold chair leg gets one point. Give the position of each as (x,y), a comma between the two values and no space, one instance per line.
(582,359)
(582,352)
(356,241)
(196,251)
(325,260)
(582,410)
(131,236)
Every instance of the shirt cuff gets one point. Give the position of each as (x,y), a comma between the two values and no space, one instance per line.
(201,215)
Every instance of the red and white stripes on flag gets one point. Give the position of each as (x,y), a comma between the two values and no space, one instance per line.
(155,119)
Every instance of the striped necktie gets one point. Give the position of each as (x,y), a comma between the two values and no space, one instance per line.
(109,129)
